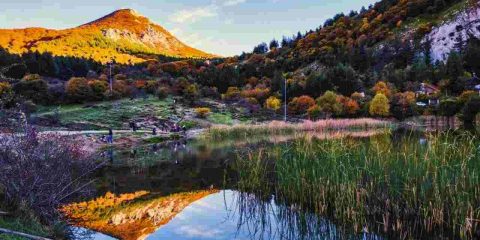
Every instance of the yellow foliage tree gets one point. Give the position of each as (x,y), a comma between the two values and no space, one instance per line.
(383,88)
(5,88)
(379,106)
(273,103)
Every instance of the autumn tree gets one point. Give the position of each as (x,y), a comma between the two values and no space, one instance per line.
(350,106)
(273,103)
(300,105)
(382,88)
(328,104)
(379,106)
(403,105)
(78,90)
(98,88)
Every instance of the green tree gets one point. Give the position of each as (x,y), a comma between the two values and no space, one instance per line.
(328,104)
(35,89)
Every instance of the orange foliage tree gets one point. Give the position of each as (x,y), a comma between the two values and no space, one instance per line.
(300,105)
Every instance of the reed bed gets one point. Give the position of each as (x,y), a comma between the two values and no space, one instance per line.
(279,127)
(394,187)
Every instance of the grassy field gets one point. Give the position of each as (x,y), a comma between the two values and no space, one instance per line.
(114,114)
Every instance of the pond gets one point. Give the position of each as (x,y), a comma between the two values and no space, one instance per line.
(329,185)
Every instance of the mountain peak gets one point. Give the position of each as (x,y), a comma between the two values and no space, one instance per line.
(122,17)
(126,11)
(124,35)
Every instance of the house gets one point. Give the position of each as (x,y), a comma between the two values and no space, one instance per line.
(473,83)
(427,89)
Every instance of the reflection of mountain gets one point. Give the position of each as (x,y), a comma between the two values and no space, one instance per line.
(130,216)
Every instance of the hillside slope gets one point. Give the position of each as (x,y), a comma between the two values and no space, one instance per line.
(124,36)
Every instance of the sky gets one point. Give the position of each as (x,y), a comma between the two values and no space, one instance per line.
(223,27)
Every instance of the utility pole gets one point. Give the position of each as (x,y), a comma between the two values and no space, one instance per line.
(285,99)
(110,77)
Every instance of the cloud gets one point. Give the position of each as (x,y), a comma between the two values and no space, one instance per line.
(198,231)
(194,14)
(228,3)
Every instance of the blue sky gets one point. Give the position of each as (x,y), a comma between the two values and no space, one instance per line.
(224,27)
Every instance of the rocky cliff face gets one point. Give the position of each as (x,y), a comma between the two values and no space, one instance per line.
(446,37)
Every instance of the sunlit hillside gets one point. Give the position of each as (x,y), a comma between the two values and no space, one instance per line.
(131,216)
(123,36)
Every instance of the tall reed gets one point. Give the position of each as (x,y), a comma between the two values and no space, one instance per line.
(402,188)
(278,127)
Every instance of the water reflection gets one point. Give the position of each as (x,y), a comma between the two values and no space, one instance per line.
(170,170)
(233,215)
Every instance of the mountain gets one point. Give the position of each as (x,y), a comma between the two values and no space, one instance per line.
(131,216)
(123,35)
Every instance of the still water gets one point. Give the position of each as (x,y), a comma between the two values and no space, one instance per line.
(186,190)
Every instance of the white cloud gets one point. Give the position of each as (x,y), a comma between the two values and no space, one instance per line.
(198,231)
(194,14)
(228,3)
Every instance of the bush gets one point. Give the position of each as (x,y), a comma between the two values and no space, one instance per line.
(162,92)
(258,93)
(379,106)
(40,173)
(314,112)
(233,93)
(273,103)
(32,88)
(449,107)
(211,92)
(300,105)
(202,112)
(470,112)
(329,104)
(350,106)
(98,88)
(7,97)
(5,88)
(403,105)
(191,92)
(151,86)
(466,96)
(78,90)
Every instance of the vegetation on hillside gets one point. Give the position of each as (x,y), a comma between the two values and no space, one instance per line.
(122,36)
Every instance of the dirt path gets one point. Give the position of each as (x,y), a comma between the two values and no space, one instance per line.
(68,133)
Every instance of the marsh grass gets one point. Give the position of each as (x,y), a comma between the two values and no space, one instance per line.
(394,187)
(282,128)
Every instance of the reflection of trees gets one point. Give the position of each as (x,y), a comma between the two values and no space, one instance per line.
(269,219)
